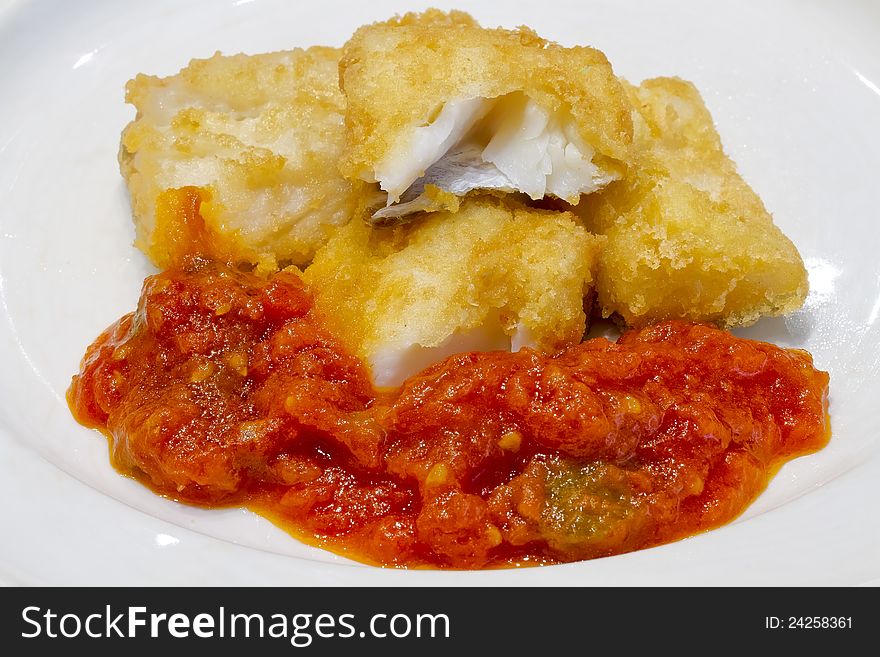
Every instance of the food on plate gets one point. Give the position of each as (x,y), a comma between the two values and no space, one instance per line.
(687,237)
(436,102)
(494,275)
(255,140)
(226,388)
(380,265)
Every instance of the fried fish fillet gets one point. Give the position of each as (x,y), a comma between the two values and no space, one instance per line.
(687,237)
(255,140)
(493,276)
(436,102)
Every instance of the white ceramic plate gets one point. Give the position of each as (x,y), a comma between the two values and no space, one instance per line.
(795,90)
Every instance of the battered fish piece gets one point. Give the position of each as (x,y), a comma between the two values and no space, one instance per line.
(687,237)
(255,140)
(435,102)
(492,276)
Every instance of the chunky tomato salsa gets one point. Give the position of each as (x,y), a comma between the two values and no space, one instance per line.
(225,389)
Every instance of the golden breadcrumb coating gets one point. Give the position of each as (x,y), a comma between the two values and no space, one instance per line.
(257,138)
(494,275)
(687,237)
(421,70)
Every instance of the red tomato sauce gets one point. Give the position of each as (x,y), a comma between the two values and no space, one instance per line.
(224,389)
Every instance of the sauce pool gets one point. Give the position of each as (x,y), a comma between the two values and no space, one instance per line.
(225,389)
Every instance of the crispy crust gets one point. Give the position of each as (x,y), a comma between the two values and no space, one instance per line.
(397,75)
(687,237)
(258,139)
(446,273)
